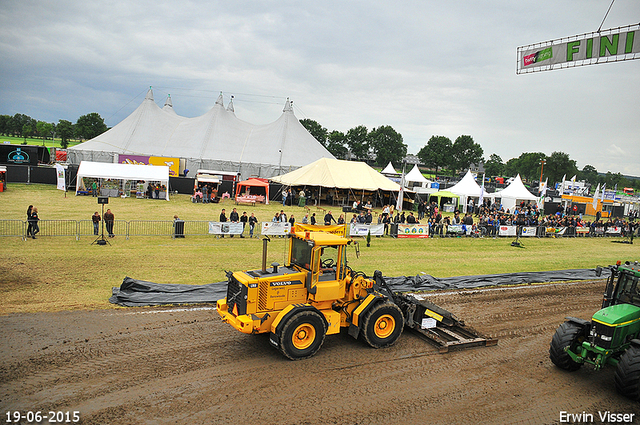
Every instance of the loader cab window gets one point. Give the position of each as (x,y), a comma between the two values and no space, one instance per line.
(301,253)
(329,257)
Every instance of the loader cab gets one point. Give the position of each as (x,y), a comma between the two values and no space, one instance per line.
(322,256)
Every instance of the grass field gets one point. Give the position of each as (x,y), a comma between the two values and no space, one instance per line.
(35,141)
(60,273)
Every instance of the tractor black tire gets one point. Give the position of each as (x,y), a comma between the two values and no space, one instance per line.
(627,377)
(302,336)
(568,334)
(382,325)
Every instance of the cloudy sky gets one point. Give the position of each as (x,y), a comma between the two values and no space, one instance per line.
(423,67)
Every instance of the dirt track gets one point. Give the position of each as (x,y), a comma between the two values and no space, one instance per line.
(172,365)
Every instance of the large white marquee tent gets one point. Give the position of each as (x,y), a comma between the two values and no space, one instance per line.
(217,140)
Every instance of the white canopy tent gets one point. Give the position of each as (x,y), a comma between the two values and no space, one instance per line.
(415,176)
(389,169)
(132,172)
(513,194)
(466,188)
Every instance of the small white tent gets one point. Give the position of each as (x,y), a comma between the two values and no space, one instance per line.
(466,188)
(133,172)
(415,176)
(515,193)
(389,169)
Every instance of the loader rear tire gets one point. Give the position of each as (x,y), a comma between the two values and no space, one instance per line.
(302,336)
(568,334)
(627,377)
(382,325)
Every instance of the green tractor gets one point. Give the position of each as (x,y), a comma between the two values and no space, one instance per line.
(611,337)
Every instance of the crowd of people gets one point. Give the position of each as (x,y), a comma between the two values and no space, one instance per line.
(483,220)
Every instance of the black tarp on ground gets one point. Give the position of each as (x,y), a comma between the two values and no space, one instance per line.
(135,292)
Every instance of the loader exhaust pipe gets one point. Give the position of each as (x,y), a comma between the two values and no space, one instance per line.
(265,241)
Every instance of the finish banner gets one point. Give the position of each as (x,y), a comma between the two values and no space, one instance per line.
(413,230)
(612,45)
(336,229)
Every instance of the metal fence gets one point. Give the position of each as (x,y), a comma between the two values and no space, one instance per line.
(85,228)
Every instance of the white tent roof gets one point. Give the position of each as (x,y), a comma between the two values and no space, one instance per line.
(389,169)
(105,170)
(337,173)
(415,176)
(516,191)
(215,140)
(466,187)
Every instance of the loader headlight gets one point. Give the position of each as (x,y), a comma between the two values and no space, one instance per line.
(605,338)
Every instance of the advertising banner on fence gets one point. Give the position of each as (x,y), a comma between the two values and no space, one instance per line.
(507,231)
(336,229)
(217,228)
(614,230)
(356,229)
(457,229)
(413,230)
(271,228)
(612,45)
(172,163)
(556,230)
(528,231)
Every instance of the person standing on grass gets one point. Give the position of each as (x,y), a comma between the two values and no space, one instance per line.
(30,226)
(223,219)
(244,219)
(253,220)
(234,217)
(34,222)
(109,218)
(95,218)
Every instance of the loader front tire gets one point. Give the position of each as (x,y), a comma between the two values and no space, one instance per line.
(627,377)
(568,335)
(382,325)
(302,336)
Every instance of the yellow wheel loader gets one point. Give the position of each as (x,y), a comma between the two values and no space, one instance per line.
(317,294)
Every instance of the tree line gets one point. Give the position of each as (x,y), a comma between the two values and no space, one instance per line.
(21,125)
(383,145)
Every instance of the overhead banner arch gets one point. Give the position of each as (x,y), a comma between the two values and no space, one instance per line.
(611,45)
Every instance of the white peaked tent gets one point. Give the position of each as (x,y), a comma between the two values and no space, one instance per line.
(131,172)
(340,174)
(389,169)
(513,194)
(466,188)
(415,176)
(217,140)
